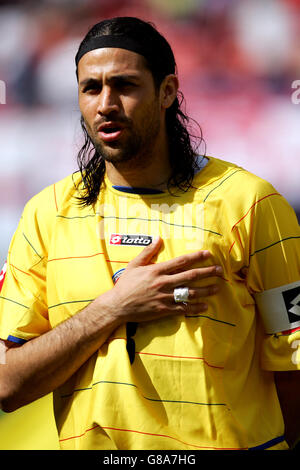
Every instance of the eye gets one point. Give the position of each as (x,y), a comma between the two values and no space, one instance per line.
(124,84)
(91,88)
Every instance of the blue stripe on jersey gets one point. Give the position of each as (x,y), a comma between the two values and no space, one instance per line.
(267,444)
(128,189)
(14,339)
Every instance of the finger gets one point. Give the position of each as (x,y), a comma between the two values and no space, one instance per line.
(198,292)
(146,254)
(187,277)
(182,262)
(191,309)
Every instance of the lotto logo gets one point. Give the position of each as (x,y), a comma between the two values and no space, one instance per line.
(130,240)
(2,275)
(115,240)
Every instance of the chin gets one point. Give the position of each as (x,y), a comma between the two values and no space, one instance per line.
(116,157)
(115,154)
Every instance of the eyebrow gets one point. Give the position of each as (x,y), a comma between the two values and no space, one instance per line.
(112,79)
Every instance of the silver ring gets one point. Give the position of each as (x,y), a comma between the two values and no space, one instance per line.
(181,294)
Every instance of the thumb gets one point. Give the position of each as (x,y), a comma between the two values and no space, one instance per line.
(147,254)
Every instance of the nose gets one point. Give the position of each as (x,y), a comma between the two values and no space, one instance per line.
(108,101)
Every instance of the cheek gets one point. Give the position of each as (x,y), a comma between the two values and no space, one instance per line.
(138,109)
(130,106)
(87,107)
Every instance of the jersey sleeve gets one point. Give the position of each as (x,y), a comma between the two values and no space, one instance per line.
(273,278)
(23,296)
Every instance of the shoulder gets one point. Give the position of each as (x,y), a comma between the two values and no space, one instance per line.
(231,181)
(239,195)
(41,212)
(54,198)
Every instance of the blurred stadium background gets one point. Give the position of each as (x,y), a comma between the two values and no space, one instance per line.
(237,60)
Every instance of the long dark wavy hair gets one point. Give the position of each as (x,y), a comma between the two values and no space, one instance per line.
(184,145)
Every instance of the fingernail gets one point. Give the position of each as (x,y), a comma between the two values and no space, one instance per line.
(219,269)
(155,240)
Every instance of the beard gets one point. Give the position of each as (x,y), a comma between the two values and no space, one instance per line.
(138,143)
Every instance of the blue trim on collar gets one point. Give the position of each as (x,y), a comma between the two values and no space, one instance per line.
(128,189)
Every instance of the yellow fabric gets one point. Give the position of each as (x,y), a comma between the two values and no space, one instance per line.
(197,382)
(32,427)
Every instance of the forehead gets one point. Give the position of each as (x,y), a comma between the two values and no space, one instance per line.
(111,61)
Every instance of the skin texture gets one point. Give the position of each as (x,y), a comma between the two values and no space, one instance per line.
(116,86)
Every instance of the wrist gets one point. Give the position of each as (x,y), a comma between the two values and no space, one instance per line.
(105,312)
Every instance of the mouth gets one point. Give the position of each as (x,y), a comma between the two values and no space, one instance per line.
(110,131)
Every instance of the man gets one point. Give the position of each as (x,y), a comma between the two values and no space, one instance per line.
(154,292)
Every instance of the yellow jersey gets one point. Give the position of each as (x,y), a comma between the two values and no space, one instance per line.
(200,381)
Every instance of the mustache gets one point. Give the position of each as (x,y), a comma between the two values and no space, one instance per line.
(126,122)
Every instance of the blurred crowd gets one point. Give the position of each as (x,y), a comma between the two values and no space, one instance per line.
(236,61)
(222,45)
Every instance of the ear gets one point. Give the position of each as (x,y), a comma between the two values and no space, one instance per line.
(168,91)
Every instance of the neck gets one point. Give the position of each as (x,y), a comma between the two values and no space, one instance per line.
(147,171)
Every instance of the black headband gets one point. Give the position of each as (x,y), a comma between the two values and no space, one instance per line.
(120,42)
